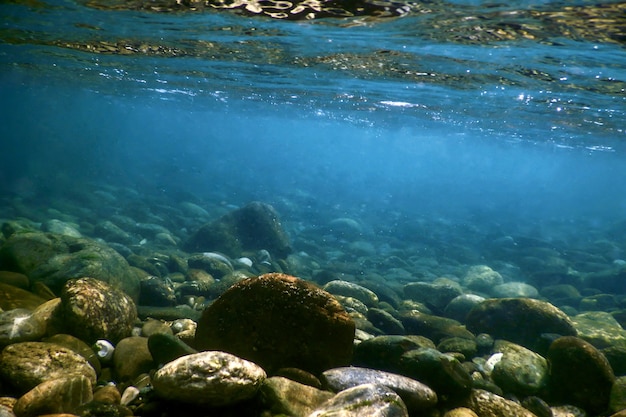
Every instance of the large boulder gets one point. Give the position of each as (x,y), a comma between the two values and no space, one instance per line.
(253,227)
(54,258)
(278,321)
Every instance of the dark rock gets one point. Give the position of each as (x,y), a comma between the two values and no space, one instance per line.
(617,400)
(467,347)
(518,320)
(132,358)
(94,310)
(442,372)
(168,313)
(608,281)
(433,327)
(385,321)
(165,348)
(208,379)
(384,352)
(579,374)
(537,406)
(616,355)
(416,396)
(253,227)
(278,321)
(28,364)
(156,291)
(363,400)
(53,259)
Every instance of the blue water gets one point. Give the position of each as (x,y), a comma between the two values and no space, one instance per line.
(386,121)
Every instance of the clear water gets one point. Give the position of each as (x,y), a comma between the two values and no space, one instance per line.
(501,119)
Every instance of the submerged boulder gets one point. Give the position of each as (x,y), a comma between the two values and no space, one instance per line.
(54,258)
(251,228)
(278,321)
(518,320)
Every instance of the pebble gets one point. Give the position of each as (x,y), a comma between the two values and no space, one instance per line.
(209,378)
(416,395)
(370,400)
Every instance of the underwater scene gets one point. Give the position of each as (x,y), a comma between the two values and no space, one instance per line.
(313,208)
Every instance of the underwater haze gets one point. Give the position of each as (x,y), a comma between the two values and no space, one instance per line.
(484,119)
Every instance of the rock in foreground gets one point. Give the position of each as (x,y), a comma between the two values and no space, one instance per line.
(279,321)
(208,379)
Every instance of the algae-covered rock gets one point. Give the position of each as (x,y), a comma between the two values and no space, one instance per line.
(253,227)
(53,259)
(278,321)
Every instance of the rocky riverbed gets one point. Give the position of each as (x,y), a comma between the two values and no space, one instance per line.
(117,304)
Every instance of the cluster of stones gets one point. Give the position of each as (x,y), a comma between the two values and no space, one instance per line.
(88,328)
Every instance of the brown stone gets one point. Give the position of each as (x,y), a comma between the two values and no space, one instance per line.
(279,321)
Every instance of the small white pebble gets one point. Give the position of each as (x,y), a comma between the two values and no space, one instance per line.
(104,349)
(129,395)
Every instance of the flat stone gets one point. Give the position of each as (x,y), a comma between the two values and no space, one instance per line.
(363,400)
(278,321)
(209,379)
(416,395)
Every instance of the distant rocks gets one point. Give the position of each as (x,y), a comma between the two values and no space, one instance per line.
(278,321)
(253,227)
